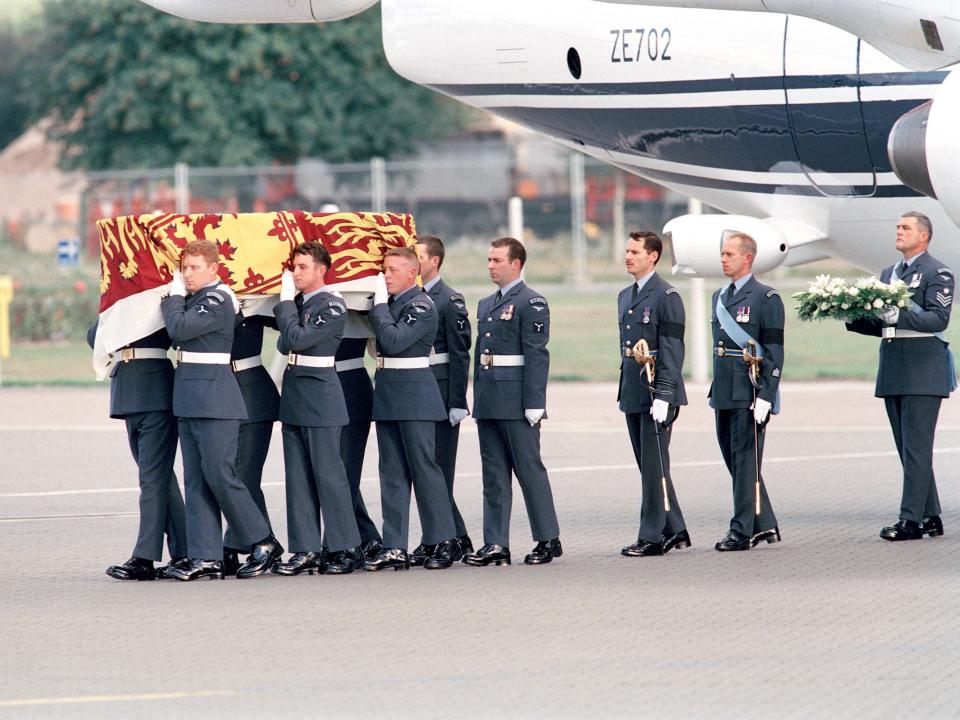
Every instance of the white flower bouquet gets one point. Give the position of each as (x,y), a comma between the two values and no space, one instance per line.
(830,297)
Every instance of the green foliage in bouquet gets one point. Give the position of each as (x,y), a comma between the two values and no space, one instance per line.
(835,298)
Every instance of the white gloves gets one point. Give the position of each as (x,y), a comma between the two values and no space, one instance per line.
(380,295)
(177,287)
(288,290)
(659,410)
(761,409)
(890,316)
(533,416)
(457,415)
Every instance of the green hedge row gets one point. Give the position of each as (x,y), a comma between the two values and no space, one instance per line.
(40,313)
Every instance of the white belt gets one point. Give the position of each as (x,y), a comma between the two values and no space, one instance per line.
(440,358)
(314,361)
(246,363)
(385,363)
(486,360)
(203,358)
(128,354)
(891,332)
(351,364)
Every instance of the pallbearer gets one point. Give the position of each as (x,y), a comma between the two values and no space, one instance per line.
(651,310)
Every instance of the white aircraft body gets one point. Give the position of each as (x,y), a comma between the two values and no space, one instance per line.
(788,122)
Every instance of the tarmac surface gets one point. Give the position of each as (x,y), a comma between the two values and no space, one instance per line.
(831,623)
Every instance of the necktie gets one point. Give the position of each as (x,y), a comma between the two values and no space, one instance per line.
(390,300)
(633,294)
(298,301)
(902,269)
(730,291)
(498,298)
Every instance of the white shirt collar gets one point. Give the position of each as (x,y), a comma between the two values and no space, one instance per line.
(428,286)
(509,286)
(643,280)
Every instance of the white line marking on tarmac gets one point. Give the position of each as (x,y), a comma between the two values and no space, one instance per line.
(113,698)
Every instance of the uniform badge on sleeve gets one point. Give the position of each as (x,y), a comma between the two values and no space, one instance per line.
(461,324)
(944,298)
(507,313)
(538,327)
(410,319)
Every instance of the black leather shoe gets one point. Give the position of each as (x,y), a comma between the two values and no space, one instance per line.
(466,545)
(677,541)
(496,554)
(389,558)
(264,554)
(642,548)
(133,569)
(733,541)
(344,562)
(445,555)
(196,569)
(163,572)
(933,526)
(543,552)
(421,553)
(768,536)
(301,562)
(231,561)
(371,548)
(903,530)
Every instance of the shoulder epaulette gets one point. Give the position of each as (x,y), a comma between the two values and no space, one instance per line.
(671,291)
(214,295)
(538,300)
(945,271)
(771,293)
(457,297)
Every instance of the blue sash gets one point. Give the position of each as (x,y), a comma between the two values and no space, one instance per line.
(915,307)
(742,338)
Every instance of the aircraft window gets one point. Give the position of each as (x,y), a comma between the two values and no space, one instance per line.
(573,63)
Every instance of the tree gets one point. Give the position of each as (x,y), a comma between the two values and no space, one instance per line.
(130,87)
(14,110)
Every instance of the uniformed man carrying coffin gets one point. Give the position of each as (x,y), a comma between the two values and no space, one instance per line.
(651,310)
(747,318)
(312,410)
(916,372)
(406,406)
(141,393)
(208,403)
(450,362)
(511,364)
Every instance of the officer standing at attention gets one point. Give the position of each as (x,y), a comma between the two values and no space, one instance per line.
(450,362)
(312,411)
(511,363)
(141,392)
(651,309)
(208,403)
(916,372)
(406,406)
(262,401)
(745,311)
(358,395)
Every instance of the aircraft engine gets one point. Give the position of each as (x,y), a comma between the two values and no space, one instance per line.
(262,11)
(696,241)
(924,147)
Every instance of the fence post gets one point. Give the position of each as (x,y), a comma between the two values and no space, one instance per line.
(578,240)
(181,184)
(698,317)
(515,218)
(378,184)
(619,238)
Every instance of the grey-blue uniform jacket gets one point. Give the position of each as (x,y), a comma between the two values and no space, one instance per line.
(139,386)
(519,324)
(758,309)
(257,387)
(916,366)
(203,322)
(312,397)
(453,337)
(657,316)
(406,328)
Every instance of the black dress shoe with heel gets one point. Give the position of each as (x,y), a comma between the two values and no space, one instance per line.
(466,545)
(642,548)
(421,553)
(231,561)
(677,541)
(197,569)
(732,542)
(768,536)
(133,569)
(389,558)
(933,526)
(370,549)
(544,552)
(344,562)
(903,530)
(264,554)
(301,562)
(163,572)
(487,555)
(445,555)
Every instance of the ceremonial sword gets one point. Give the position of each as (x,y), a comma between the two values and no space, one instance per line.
(641,353)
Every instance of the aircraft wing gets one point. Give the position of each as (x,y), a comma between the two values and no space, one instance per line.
(920,34)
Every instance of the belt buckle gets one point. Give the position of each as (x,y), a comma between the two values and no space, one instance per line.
(890,333)
(128,354)
(292,359)
(380,362)
(486,360)
(628,352)
(233,365)
(179,356)
(721,351)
